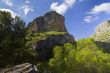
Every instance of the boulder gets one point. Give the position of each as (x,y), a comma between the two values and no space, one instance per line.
(22,68)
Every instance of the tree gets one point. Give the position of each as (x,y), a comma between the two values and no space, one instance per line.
(59,64)
(85,58)
(12,40)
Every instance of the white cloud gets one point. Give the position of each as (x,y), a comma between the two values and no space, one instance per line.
(13,14)
(93,13)
(28,1)
(8,2)
(104,7)
(27,9)
(62,8)
(90,18)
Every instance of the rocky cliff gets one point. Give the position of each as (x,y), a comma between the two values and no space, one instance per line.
(51,21)
(102,32)
(102,35)
(48,31)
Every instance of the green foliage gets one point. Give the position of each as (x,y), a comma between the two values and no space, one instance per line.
(34,37)
(12,40)
(85,58)
(86,43)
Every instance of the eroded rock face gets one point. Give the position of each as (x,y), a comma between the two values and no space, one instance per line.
(102,36)
(22,68)
(51,21)
(103,27)
(45,47)
(102,32)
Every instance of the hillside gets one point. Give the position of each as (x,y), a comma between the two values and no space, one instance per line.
(45,46)
(48,31)
(102,35)
(102,32)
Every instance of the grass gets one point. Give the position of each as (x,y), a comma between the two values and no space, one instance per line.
(33,38)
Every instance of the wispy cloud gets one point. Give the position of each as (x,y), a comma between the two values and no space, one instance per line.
(90,18)
(8,2)
(62,8)
(27,9)
(93,13)
(28,1)
(104,7)
(13,14)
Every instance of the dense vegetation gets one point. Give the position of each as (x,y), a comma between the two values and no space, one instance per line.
(12,40)
(34,37)
(83,57)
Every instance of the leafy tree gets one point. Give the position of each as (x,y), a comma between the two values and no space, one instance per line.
(12,40)
(85,58)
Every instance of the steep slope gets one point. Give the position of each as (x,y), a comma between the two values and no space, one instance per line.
(51,21)
(103,32)
(102,35)
(47,31)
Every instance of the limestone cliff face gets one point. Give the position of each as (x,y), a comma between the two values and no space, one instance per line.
(102,32)
(102,36)
(103,27)
(48,31)
(51,21)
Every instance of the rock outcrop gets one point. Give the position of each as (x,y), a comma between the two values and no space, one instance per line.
(102,36)
(103,32)
(103,27)
(22,68)
(51,21)
(48,31)
(45,47)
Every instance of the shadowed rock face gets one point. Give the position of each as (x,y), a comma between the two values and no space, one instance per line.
(45,47)
(51,21)
(104,45)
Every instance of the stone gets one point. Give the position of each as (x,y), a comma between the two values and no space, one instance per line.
(22,68)
(103,27)
(102,32)
(102,35)
(51,21)
(45,47)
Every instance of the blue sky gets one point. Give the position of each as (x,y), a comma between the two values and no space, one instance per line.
(82,16)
